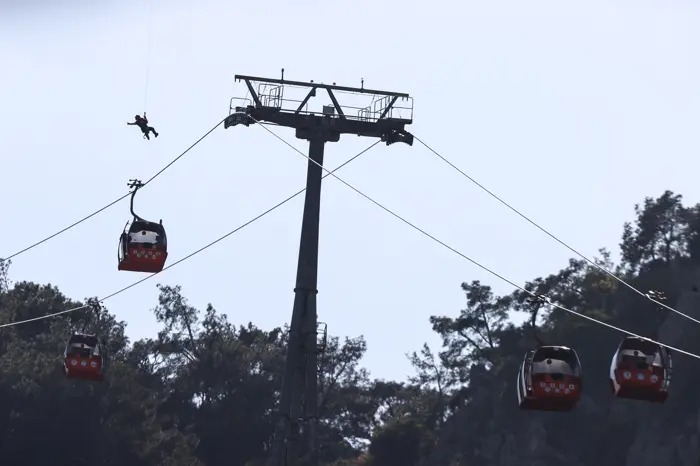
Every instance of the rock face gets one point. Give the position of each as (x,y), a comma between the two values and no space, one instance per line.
(602,431)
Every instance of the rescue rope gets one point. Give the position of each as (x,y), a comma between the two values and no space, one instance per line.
(149,33)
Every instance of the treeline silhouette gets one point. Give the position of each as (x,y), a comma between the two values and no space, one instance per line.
(204,390)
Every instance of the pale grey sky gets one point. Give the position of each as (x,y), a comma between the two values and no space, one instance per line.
(572,112)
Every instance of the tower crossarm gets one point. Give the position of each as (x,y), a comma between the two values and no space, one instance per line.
(385,116)
(378,129)
(360,90)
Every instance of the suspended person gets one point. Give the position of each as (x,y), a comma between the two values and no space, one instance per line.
(143,124)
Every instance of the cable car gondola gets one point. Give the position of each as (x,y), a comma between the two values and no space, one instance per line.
(640,370)
(550,379)
(143,246)
(83,358)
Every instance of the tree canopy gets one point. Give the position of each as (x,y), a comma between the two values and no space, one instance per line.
(203,391)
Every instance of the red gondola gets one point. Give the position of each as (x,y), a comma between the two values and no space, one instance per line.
(143,246)
(83,358)
(550,379)
(641,370)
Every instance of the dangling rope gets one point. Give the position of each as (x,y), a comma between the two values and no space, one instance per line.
(148,54)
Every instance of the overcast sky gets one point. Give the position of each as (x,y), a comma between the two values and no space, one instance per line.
(573,113)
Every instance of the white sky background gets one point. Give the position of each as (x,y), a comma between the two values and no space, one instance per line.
(573,113)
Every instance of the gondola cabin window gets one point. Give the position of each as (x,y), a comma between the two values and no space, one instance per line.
(144,237)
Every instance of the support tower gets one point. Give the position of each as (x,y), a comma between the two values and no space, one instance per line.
(273,101)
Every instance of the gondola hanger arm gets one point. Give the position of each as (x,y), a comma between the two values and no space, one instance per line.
(134,185)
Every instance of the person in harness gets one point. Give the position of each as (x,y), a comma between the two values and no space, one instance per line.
(143,124)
